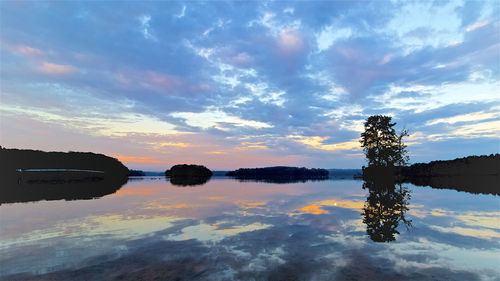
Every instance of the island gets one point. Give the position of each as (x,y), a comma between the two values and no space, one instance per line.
(279,174)
(32,175)
(188,170)
(188,174)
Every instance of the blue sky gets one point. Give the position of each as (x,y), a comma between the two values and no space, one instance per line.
(245,84)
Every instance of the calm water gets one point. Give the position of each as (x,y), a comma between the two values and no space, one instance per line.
(231,230)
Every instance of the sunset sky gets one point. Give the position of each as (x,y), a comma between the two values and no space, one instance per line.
(248,84)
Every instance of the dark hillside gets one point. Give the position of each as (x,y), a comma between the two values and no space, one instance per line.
(32,175)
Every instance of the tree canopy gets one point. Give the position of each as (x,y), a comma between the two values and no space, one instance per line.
(383,147)
(191,170)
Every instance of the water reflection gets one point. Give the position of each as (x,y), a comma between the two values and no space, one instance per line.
(80,189)
(386,206)
(231,230)
(188,180)
(486,184)
(282,180)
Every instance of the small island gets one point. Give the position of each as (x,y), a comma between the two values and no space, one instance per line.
(188,174)
(279,174)
(188,170)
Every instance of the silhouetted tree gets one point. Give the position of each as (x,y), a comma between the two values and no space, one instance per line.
(187,175)
(385,208)
(383,147)
(191,170)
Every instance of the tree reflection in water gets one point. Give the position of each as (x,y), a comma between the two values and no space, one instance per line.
(188,180)
(385,207)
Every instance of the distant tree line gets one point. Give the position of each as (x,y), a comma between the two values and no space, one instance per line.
(474,174)
(13,159)
(23,178)
(467,166)
(279,172)
(136,173)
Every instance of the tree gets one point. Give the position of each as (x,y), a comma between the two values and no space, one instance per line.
(383,147)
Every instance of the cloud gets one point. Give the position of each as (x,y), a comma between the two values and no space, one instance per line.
(56,69)
(217,119)
(182,13)
(28,51)
(253,72)
(476,25)
(470,117)
(317,143)
(145,27)
(290,42)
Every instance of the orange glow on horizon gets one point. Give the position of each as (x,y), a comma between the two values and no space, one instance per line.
(140,159)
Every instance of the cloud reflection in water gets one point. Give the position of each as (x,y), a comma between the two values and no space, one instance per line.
(227,229)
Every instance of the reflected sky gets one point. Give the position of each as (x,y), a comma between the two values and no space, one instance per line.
(227,230)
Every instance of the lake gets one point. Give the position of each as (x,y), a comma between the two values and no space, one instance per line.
(227,229)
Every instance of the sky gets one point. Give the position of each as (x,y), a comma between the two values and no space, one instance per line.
(248,83)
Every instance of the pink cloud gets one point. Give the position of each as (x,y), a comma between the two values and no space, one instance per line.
(454,43)
(158,82)
(56,69)
(477,25)
(27,50)
(241,60)
(290,41)
(386,59)
(23,50)
(163,80)
(349,53)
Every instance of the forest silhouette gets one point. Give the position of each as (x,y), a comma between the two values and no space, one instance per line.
(33,175)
